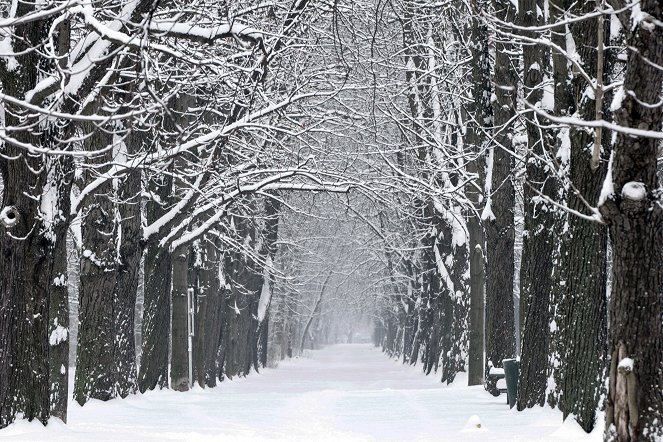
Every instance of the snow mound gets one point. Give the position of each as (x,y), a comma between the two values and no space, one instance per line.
(473,422)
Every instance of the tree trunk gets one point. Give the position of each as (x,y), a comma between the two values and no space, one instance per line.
(25,252)
(128,273)
(270,236)
(153,370)
(582,308)
(635,219)
(498,216)
(479,112)
(61,176)
(203,308)
(314,311)
(539,230)
(58,328)
(155,331)
(179,362)
(95,378)
(212,320)
(452,261)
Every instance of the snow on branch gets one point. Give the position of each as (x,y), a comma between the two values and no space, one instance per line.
(275,181)
(207,34)
(39,15)
(577,122)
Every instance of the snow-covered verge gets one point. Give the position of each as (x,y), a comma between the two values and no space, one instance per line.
(343,392)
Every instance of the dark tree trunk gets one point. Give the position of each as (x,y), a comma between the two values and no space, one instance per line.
(95,378)
(270,236)
(479,113)
(58,322)
(24,309)
(582,308)
(155,331)
(452,256)
(205,274)
(153,370)
(635,220)
(230,312)
(431,304)
(498,215)
(128,273)
(25,252)
(179,362)
(212,319)
(540,222)
(61,176)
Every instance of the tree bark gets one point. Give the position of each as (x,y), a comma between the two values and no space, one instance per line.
(153,370)
(498,216)
(205,274)
(58,322)
(539,230)
(179,362)
(581,315)
(128,274)
(270,236)
(96,332)
(480,115)
(212,319)
(25,252)
(61,177)
(635,219)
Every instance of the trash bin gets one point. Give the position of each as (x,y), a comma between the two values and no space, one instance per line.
(511,372)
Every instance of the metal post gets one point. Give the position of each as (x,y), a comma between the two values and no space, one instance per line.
(190,326)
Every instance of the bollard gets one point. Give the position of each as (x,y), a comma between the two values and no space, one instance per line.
(511,372)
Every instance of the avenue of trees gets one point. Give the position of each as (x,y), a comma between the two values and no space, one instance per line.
(477,179)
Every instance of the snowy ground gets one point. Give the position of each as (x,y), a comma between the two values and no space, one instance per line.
(343,392)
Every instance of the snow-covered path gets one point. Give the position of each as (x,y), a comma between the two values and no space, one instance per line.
(343,392)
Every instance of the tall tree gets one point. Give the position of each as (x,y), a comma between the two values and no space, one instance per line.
(498,213)
(635,219)
(581,310)
(153,370)
(26,244)
(98,270)
(479,114)
(536,273)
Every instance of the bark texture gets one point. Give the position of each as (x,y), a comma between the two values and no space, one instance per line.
(539,246)
(25,270)
(209,317)
(498,217)
(156,312)
(633,213)
(58,321)
(479,113)
(581,310)
(128,273)
(179,362)
(96,332)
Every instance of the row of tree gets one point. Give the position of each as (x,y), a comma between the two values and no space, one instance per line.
(161,137)
(542,120)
